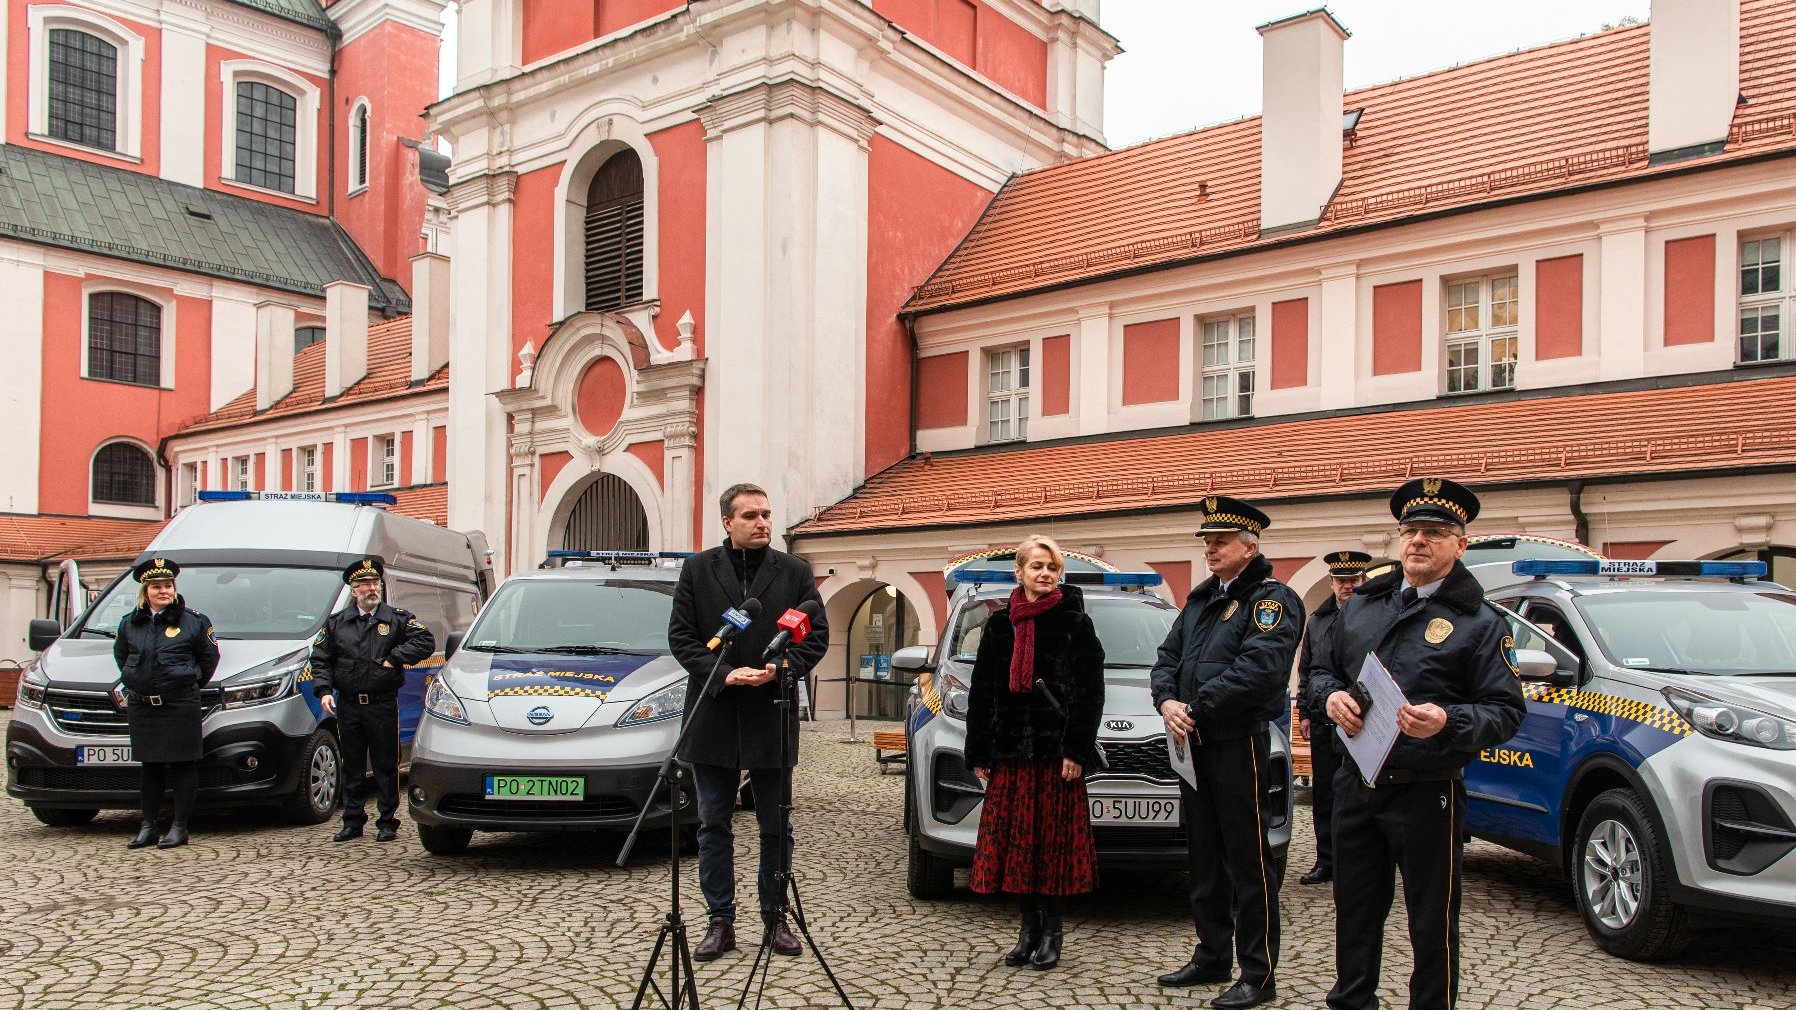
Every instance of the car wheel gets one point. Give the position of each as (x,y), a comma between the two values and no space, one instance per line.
(320,780)
(444,841)
(928,875)
(58,817)
(1621,878)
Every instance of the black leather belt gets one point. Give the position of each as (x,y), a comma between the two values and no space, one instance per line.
(152,700)
(367,698)
(1406,776)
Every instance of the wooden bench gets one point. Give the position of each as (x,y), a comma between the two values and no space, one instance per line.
(888,747)
(1300,748)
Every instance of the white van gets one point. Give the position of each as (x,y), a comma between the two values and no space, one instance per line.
(267,569)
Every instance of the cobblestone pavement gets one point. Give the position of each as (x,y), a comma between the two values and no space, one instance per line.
(259,914)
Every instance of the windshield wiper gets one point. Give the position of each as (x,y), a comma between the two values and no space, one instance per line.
(1671,669)
(592,650)
(102,632)
(496,648)
(1130,666)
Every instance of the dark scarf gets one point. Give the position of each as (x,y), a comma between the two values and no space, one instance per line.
(1023,613)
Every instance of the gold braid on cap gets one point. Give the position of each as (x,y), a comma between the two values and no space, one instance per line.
(1224,517)
(1442,502)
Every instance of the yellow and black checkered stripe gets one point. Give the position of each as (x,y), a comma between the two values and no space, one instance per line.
(1212,518)
(1452,507)
(926,688)
(549,691)
(1645,713)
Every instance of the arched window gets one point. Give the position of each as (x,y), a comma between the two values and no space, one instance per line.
(83,89)
(124,475)
(358,147)
(614,234)
(124,338)
(608,517)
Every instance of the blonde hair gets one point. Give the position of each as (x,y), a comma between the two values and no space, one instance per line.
(1028,546)
(143,593)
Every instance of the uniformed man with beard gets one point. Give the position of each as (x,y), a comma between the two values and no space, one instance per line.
(1346,571)
(358,666)
(1452,655)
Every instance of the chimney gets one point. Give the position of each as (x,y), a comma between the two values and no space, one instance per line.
(430,314)
(345,336)
(1695,77)
(1300,123)
(274,353)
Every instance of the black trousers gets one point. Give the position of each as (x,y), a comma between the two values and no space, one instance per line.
(369,737)
(1416,828)
(181,776)
(1234,881)
(1325,760)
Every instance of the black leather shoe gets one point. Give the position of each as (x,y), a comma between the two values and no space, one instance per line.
(1241,995)
(346,833)
(783,940)
(1195,973)
(146,836)
(719,940)
(1048,954)
(1028,937)
(176,837)
(1319,874)
(385,834)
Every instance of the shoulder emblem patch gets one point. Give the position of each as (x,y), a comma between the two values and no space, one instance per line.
(1438,630)
(319,638)
(1267,614)
(1509,656)
(209,636)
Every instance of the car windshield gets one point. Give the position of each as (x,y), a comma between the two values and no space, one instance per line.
(1131,627)
(575,614)
(242,601)
(1720,633)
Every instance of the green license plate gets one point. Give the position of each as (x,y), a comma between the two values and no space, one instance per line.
(571,788)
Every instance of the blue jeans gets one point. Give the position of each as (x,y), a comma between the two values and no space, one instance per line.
(716,786)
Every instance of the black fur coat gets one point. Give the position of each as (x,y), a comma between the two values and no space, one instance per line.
(1003,725)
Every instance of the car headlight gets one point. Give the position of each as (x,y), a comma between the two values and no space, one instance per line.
(1721,719)
(954,695)
(268,682)
(667,703)
(442,702)
(32,686)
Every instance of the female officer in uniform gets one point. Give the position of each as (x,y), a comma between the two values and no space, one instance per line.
(1032,730)
(165,654)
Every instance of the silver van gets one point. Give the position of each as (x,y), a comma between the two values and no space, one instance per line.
(267,569)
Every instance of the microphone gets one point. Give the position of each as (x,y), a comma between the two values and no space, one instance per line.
(795,627)
(735,622)
(1048,696)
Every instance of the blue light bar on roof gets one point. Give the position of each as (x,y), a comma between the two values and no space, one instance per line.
(1542,567)
(981,578)
(341,497)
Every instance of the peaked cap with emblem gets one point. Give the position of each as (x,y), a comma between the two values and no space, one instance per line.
(1223,514)
(1435,500)
(155,568)
(1347,564)
(367,568)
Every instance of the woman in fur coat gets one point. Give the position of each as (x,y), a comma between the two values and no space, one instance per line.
(1032,726)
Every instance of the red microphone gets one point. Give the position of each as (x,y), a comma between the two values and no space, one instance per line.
(795,627)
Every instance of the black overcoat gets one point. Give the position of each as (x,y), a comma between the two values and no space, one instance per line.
(1315,635)
(736,726)
(1229,653)
(171,656)
(1006,725)
(1465,665)
(351,655)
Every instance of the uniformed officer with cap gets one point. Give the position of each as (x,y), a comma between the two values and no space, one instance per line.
(1346,571)
(1452,655)
(1219,681)
(358,666)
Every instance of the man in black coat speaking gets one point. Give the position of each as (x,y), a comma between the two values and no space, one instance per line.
(737,725)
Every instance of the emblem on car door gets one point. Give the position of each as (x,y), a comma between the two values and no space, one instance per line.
(540,715)
(1119,725)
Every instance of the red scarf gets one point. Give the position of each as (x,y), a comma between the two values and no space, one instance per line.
(1023,613)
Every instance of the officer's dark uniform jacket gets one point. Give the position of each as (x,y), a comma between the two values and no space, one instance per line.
(153,662)
(1006,725)
(1231,665)
(1315,633)
(1469,671)
(350,655)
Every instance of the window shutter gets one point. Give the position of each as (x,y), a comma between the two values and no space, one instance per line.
(613,234)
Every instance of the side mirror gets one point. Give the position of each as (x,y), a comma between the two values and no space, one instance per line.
(452,644)
(1539,664)
(914,658)
(42,633)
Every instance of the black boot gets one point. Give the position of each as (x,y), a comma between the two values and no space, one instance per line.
(1028,935)
(1047,955)
(146,836)
(177,836)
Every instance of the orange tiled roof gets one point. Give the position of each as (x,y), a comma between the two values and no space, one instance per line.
(429,502)
(52,538)
(1738,424)
(389,375)
(1528,123)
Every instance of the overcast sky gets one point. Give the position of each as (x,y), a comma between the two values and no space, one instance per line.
(1190,63)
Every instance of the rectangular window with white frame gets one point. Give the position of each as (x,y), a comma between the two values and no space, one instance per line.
(1765,300)
(308,469)
(1482,314)
(241,467)
(386,461)
(1226,387)
(190,483)
(1007,394)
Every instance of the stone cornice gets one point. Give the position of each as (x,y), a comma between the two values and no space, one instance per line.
(359,17)
(482,191)
(771,101)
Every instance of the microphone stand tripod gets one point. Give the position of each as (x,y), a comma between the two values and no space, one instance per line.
(680,977)
(789,901)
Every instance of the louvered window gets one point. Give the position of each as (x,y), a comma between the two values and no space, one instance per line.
(124,475)
(83,89)
(124,338)
(614,234)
